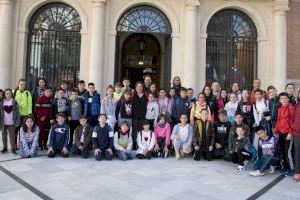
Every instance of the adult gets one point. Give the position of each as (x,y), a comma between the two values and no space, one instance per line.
(235,89)
(216,89)
(92,105)
(176,85)
(211,101)
(38,91)
(257,85)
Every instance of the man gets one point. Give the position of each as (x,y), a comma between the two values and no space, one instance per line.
(147,82)
(257,85)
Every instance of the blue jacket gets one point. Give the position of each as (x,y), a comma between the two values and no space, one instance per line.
(180,106)
(59,136)
(96,104)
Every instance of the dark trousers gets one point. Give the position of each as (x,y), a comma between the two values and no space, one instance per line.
(57,151)
(73,124)
(84,153)
(92,120)
(161,143)
(240,156)
(285,150)
(297,153)
(203,151)
(264,163)
(142,156)
(104,154)
(136,127)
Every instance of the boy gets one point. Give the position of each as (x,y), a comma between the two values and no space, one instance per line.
(181,106)
(43,111)
(75,112)
(60,104)
(204,137)
(126,84)
(118,91)
(221,128)
(283,130)
(64,87)
(92,104)
(290,89)
(102,139)
(273,104)
(82,138)
(81,92)
(59,137)
(241,149)
(191,97)
(267,153)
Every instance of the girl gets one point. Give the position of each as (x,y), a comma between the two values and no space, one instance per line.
(172,97)
(9,119)
(164,103)
(296,138)
(29,135)
(176,85)
(196,109)
(246,109)
(231,107)
(1,95)
(108,106)
(182,136)
(145,141)
(222,100)
(216,88)
(123,142)
(152,110)
(235,88)
(124,109)
(162,133)
(211,101)
(153,89)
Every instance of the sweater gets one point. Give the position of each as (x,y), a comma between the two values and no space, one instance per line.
(285,119)
(233,135)
(231,108)
(75,109)
(180,106)
(163,132)
(145,141)
(16,114)
(122,142)
(152,111)
(87,136)
(124,109)
(108,106)
(60,106)
(29,146)
(139,106)
(185,133)
(222,132)
(165,106)
(246,109)
(241,144)
(24,101)
(296,123)
(102,137)
(268,147)
(59,136)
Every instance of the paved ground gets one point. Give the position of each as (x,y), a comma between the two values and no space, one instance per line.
(75,178)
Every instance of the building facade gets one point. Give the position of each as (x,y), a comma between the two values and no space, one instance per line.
(102,41)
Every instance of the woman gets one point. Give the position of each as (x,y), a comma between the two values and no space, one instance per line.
(176,83)
(211,101)
(29,137)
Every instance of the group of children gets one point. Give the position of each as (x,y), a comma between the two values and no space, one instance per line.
(144,122)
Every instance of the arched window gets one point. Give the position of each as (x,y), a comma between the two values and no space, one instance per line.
(231,54)
(54,45)
(144,19)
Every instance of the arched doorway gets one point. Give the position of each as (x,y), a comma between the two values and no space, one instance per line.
(54,45)
(143,45)
(231,54)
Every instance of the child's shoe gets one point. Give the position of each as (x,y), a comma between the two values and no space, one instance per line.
(182,154)
(165,154)
(256,173)
(289,174)
(282,171)
(177,156)
(272,169)
(296,178)
(240,168)
(4,150)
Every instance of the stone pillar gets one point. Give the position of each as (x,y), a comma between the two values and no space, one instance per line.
(176,61)
(6,32)
(201,70)
(280,44)
(190,44)
(97,43)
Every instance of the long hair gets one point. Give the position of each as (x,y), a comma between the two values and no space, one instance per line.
(25,128)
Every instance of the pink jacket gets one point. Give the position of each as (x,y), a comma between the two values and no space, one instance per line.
(163,132)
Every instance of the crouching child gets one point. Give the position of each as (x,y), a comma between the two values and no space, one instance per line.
(145,141)
(123,142)
(29,135)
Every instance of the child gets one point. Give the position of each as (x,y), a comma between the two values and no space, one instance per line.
(296,138)
(75,112)
(204,137)
(162,133)
(1,95)
(172,97)
(222,100)
(24,99)
(59,137)
(191,97)
(29,135)
(82,138)
(290,89)
(216,89)
(118,91)
(108,107)
(246,109)
(196,109)
(231,107)
(64,87)
(123,142)
(267,153)
(241,149)
(283,130)
(43,113)
(221,128)
(211,101)
(145,141)
(103,139)
(126,84)
(164,103)
(153,89)
(9,119)
(60,104)
(152,110)
(235,89)
(273,104)
(181,106)
(92,105)
(124,109)
(181,137)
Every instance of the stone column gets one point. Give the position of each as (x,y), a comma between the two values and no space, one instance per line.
(190,44)
(201,69)
(176,61)
(6,32)
(280,44)
(97,43)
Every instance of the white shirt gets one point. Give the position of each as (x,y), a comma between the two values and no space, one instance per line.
(259,108)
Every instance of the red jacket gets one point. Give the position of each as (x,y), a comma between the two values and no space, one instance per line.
(296,123)
(285,119)
(43,106)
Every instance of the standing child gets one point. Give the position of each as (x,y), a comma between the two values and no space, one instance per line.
(108,107)
(191,97)
(29,136)
(92,105)
(211,101)
(102,139)
(267,154)
(182,137)
(152,110)
(246,109)
(118,91)
(196,109)
(231,107)
(296,138)
(82,138)
(164,104)
(222,100)
(59,137)
(75,112)
(290,89)
(1,95)
(43,108)
(126,84)
(123,142)
(153,89)
(145,141)
(235,89)
(283,130)
(9,120)
(162,133)
(273,104)
(204,137)
(241,149)
(60,105)
(124,109)
(172,97)
(181,106)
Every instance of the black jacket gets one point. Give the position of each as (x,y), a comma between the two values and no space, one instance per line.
(102,137)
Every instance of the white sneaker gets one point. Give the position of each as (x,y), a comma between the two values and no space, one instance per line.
(240,168)
(272,169)
(166,154)
(246,162)
(158,154)
(256,173)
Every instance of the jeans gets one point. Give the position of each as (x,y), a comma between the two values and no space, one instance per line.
(11,132)
(104,154)
(84,153)
(264,163)
(124,156)
(58,151)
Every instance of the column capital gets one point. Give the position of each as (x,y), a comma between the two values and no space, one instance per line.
(9,2)
(192,3)
(97,3)
(280,7)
